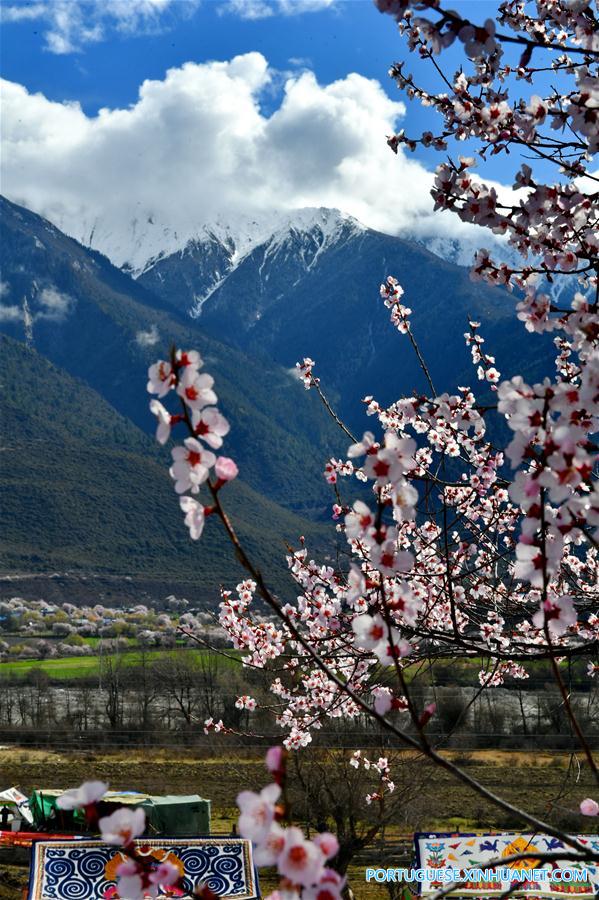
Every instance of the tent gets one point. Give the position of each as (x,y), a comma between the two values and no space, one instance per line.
(169,815)
(13,797)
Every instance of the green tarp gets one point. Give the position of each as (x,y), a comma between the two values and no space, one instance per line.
(169,815)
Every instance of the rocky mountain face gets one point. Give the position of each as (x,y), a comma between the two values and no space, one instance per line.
(287,247)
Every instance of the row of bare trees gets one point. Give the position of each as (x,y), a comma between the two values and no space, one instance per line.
(165,698)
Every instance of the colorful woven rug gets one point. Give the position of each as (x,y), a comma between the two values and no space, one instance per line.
(471,851)
(84,870)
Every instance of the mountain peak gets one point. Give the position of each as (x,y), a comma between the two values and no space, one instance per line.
(139,242)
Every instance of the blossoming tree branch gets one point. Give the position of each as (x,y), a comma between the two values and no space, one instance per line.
(456,546)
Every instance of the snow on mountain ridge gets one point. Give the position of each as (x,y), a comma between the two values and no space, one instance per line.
(317,230)
(138,244)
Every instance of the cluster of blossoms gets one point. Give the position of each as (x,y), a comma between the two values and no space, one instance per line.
(193,463)
(301,863)
(454,547)
(391,293)
(497,581)
(138,876)
(210,726)
(554,227)
(486,370)
(305,374)
(245,702)
(382,771)
(337,467)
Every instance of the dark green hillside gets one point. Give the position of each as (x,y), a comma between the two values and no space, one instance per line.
(84,489)
(280,436)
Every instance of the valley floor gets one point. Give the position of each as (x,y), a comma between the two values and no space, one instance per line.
(442,804)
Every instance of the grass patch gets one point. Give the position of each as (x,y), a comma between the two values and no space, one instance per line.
(72,668)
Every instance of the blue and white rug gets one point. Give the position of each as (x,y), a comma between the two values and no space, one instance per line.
(85,870)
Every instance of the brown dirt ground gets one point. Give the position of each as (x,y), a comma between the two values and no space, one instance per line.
(443,805)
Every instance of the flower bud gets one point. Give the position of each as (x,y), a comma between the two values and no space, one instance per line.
(226,469)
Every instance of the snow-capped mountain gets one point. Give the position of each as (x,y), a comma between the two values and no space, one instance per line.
(305,283)
(311,289)
(216,248)
(288,245)
(191,260)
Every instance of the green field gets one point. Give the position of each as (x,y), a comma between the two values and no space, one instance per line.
(70,668)
(73,667)
(455,672)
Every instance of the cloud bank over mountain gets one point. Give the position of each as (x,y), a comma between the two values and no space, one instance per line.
(198,146)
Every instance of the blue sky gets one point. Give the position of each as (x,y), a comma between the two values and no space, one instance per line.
(116,110)
(350,36)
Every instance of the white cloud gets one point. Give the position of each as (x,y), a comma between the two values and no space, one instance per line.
(148,338)
(55,305)
(262,9)
(70,24)
(197,147)
(10,313)
(22,12)
(300,62)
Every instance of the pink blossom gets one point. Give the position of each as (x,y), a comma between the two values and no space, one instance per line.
(369,631)
(301,861)
(329,887)
(270,847)
(359,522)
(89,793)
(160,378)
(123,826)
(163,430)
(383,698)
(189,359)
(194,516)
(257,812)
(165,875)
(558,613)
(364,446)
(225,469)
(387,465)
(328,844)
(245,702)
(210,426)
(191,465)
(304,371)
(196,390)
(589,807)
(129,882)
(274,759)
(389,653)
